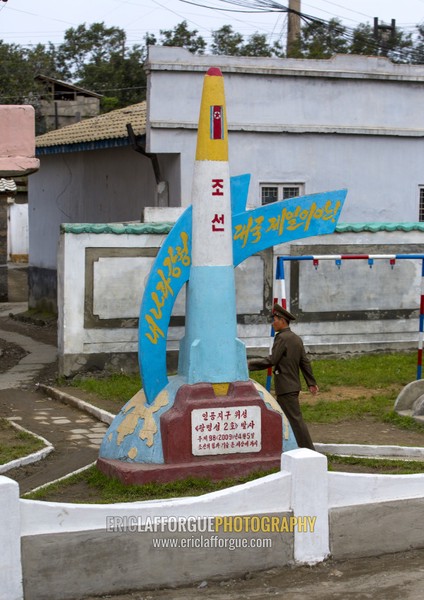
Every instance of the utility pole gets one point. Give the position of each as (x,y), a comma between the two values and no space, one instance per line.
(293,29)
(387,32)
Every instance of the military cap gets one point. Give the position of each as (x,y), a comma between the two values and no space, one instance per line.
(279,311)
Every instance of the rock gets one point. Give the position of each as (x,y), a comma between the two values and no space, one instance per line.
(418,406)
(409,395)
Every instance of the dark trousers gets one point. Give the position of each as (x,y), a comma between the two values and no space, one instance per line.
(291,408)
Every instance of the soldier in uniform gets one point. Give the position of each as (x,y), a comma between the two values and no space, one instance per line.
(287,358)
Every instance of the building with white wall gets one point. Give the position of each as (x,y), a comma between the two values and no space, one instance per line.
(301,126)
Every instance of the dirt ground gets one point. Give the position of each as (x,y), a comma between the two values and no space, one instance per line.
(388,577)
(364,431)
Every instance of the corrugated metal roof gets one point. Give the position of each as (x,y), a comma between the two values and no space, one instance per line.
(7,186)
(110,126)
(71,86)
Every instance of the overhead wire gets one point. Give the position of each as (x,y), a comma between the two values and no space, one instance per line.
(346,32)
(265,6)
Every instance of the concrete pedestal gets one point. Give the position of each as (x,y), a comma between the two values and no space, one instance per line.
(212,430)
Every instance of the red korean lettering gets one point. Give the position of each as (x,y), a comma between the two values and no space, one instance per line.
(217,187)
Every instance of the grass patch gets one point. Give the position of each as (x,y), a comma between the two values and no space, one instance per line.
(384,466)
(403,422)
(103,490)
(39,316)
(369,371)
(379,407)
(372,371)
(16,443)
(119,386)
(357,408)
(100,489)
(260,377)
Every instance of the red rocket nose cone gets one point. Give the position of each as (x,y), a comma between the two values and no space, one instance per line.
(214,71)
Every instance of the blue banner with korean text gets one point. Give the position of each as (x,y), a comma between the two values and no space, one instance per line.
(253,231)
(279,222)
(169,273)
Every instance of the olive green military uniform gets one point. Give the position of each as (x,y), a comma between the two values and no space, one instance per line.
(287,357)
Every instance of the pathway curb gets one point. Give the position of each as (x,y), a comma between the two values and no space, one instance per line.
(102,415)
(30,458)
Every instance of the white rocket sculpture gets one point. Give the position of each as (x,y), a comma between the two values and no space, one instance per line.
(211,350)
(158,435)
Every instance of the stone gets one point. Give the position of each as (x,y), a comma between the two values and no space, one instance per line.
(418,406)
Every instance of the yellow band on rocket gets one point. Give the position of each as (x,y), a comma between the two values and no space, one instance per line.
(212,139)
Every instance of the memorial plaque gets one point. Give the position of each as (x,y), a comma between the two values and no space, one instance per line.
(228,430)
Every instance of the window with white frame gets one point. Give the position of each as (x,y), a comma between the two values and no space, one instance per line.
(271,192)
(421,205)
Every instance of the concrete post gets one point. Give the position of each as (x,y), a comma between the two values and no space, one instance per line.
(309,498)
(294,25)
(3,250)
(10,541)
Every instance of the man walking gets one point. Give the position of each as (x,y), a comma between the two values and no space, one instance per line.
(287,357)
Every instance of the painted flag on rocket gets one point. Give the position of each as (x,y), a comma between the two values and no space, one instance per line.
(217,122)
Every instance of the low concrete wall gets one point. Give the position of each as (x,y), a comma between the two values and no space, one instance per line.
(66,551)
(377,528)
(70,565)
(101,275)
(354,309)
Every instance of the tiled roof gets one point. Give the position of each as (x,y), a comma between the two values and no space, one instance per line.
(7,186)
(374,227)
(142,228)
(110,126)
(117,228)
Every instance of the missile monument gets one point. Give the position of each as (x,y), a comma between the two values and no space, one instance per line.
(209,420)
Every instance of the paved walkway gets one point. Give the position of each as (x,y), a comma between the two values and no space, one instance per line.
(39,355)
(75,435)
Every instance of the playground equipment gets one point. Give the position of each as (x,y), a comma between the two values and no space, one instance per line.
(338,259)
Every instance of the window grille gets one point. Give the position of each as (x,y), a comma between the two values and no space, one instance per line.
(421,207)
(290,192)
(280,191)
(269,194)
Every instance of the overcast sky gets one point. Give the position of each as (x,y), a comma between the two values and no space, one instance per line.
(28,22)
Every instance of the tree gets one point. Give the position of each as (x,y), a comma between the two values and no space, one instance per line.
(121,80)
(363,40)
(95,45)
(257,46)
(97,59)
(226,41)
(43,60)
(183,37)
(18,69)
(322,40)
(418,54)
(16,75)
